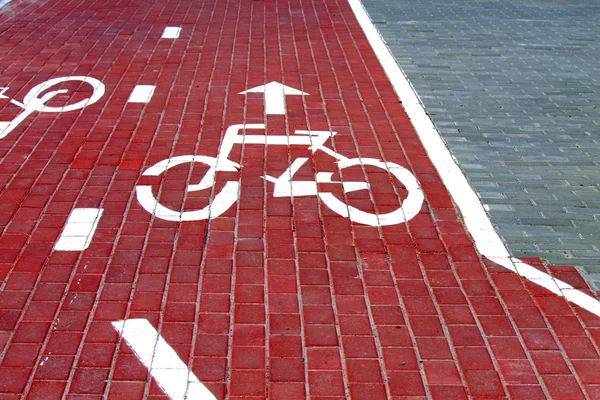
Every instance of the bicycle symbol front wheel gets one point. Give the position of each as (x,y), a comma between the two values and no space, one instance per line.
(33,97)
(410,206)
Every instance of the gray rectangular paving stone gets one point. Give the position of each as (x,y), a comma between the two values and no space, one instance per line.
(514,88)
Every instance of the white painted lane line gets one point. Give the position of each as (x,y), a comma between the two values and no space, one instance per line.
(171,32)
(4,2)
(482,231)
(141,94)
(162,362)
(79,229)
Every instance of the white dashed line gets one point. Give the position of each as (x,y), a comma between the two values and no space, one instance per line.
(141,94)
(165,366)
(171,32)
(487,241)
(79,229)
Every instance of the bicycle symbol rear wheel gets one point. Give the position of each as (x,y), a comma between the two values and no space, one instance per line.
(224,199)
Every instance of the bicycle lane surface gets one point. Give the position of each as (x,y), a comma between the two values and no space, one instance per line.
(278,294)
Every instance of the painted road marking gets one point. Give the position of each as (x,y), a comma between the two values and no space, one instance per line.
(171,32)
(79,229)
(4,2)
(141,94)
(33,103)
(487,241)
(284,186)
(163,363)
(275,94)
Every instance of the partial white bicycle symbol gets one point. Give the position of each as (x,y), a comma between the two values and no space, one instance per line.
(284,186)
(33,102)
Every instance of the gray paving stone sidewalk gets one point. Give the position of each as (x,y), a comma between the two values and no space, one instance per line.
(514,88)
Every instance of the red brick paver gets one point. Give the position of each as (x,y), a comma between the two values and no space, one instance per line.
(278,297)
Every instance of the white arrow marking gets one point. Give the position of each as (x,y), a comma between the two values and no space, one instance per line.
(165,366)
(2,91)
(275,94)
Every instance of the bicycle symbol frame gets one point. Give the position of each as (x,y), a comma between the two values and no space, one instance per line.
(32,103)
(284,186)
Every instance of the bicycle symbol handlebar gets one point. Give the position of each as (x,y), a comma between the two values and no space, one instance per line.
(32,102)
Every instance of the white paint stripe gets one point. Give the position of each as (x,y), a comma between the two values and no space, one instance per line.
(79,229)
(141,94)
(486,239)
(4,2)
(162,362)
(171,32)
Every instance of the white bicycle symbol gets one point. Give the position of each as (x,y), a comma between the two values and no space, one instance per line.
(284,186)
(32,102)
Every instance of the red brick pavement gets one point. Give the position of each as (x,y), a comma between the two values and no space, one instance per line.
(277,297)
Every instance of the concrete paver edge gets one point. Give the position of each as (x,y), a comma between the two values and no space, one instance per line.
(486,239)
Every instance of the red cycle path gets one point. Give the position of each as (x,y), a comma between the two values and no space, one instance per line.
(276,298)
